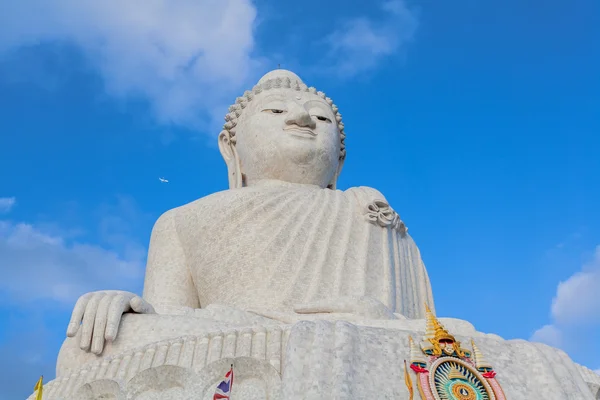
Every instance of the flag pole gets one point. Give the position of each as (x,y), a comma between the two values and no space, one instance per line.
(408,382)
(232,376)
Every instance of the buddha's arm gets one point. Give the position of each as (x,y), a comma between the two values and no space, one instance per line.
(168,284)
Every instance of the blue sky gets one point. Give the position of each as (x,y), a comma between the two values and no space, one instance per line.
(478,120)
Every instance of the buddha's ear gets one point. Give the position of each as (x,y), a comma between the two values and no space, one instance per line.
(333,184)
(229,153)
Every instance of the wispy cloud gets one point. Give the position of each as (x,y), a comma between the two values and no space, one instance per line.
(39,266)
(360,44)
(577,300)
(6,204)
(185,57)
(46,262)
(548,334)
(575,310)
(46,268)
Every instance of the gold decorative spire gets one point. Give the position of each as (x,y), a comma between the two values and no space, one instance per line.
(433,329)
(430,323)
(455,373)
(480,362)
(437,339)
(416,356)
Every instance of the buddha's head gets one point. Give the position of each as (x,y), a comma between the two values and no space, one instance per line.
(283,130)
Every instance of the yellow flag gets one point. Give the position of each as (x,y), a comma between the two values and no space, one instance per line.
(408,381)
(38,388)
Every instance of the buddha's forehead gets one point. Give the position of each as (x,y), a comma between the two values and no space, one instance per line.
(287,95)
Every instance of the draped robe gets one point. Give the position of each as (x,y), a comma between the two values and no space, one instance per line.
(273,247)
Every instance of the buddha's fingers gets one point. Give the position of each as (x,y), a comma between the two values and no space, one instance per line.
(89,317)
(77,314)
(100,323)
(118,305)
(141,306)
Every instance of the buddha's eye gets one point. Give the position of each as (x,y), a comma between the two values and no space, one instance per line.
(321,118)
(274,111)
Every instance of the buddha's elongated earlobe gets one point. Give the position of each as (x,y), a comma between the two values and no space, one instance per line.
(333,184)
(229,153)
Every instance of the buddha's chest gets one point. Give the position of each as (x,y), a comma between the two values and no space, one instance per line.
(257,234)
(268,231)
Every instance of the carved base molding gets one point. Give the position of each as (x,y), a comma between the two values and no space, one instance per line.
(309,360)
(186,366)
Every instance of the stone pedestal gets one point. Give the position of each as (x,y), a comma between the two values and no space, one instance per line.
(313,360)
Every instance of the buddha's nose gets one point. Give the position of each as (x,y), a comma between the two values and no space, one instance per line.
(301,118)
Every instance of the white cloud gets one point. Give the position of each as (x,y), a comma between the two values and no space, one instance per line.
(597,371)
(39,266)
(577,299)
(45,268)
(575,312)
(361,43)
(6,204)
(548,334)
(186,57)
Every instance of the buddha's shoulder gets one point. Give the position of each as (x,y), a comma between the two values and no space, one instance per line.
(365,193)
(222,200)
(206,204)
(226,199)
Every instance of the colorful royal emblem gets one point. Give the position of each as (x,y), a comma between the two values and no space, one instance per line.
(447,371)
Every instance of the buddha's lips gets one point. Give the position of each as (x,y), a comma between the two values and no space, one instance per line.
(303,131)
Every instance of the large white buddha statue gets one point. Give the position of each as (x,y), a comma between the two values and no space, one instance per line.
(311,291)
(282,240)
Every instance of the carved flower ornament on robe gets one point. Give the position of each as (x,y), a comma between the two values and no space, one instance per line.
(379,212)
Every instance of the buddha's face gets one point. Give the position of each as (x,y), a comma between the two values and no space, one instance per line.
(290,136)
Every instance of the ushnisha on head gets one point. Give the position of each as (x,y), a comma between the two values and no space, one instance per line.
(283,130)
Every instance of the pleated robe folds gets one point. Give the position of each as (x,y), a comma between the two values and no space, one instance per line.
(277,246)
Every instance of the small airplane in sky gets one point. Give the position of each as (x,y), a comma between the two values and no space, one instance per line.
(163,180)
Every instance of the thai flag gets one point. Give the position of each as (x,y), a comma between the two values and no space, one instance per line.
(224,389)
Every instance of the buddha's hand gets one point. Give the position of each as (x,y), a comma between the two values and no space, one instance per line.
(361,306)
(98,315)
